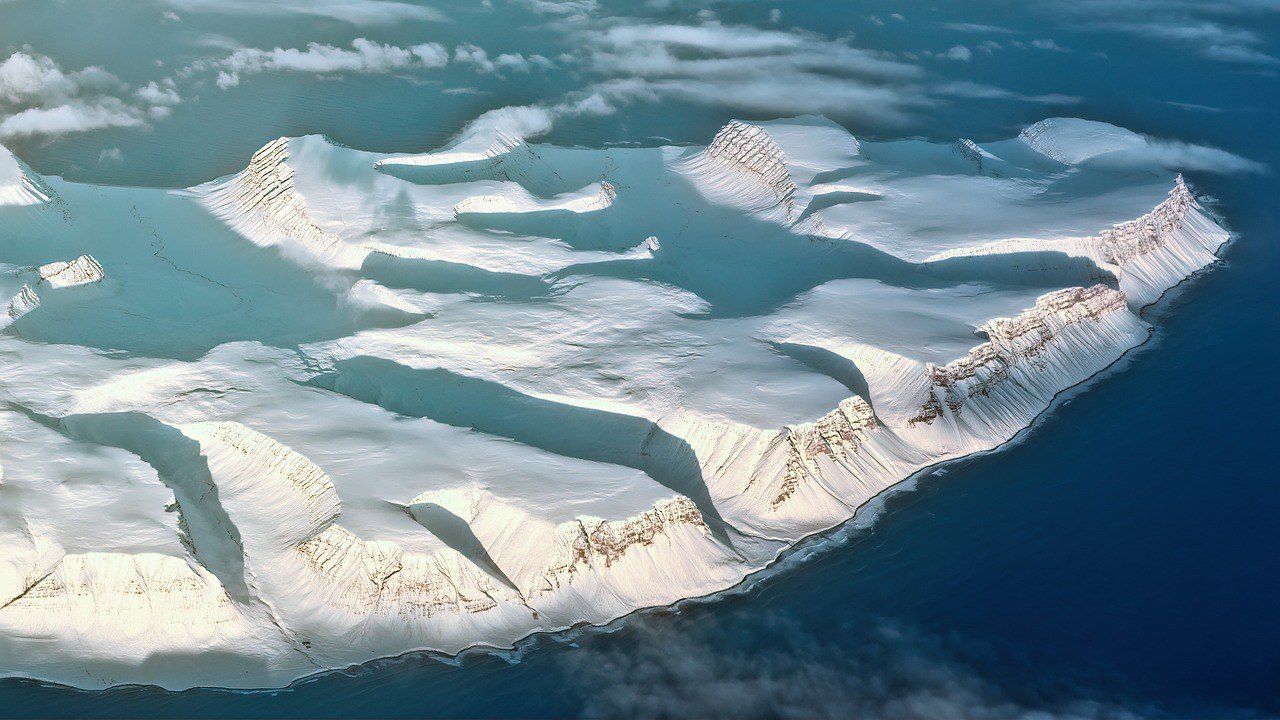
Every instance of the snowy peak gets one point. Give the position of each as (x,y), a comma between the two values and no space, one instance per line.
(262,203)
(1013,340)
(84,270)
(1072,141)
(744,166)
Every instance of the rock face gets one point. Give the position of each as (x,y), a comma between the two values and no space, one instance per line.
(262,203)
(836,435)
(18,184)
(1159,249)
(984,163)
(184,603)
(1071,141)
(1022,339)
(1148,255)
(520,410)
(84,270)
(601,541)
(745,165)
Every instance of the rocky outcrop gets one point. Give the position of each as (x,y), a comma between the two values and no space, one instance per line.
(24,302)
(1013,340)
(1072,141)
(745,167)
(597,541)
(148,594)
(363,577)
(19,185)
(1148,255)
(27,556)
(84,270)
(975,155)
(262,203)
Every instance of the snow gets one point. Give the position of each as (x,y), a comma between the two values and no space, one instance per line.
(1072,141)
(342,405)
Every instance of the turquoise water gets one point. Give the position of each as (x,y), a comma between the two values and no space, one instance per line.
(1120,560)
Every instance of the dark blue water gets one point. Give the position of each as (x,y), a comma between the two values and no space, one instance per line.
(1123,559)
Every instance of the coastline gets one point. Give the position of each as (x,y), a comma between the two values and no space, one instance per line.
(787,558)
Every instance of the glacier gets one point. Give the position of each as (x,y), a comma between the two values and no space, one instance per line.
(342,405)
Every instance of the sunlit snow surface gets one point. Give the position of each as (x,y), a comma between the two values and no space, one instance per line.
(342,404)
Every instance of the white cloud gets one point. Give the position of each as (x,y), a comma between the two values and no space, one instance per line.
(959,52)
(432,55)
(978,28)
(477,57)
(1239,54)
(1193,106)
(365,56)
(356,12)
(1190,31)
(39,98)
(564,8)
(473,55)
(873,671)
(516,122)
(226,80)
(159,93)
(511,61)
(28,78)
(1048,44)
(70,118)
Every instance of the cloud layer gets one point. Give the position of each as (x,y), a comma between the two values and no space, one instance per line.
(752,69)
(39,98)
(662,670)
(364,56)
(356,12)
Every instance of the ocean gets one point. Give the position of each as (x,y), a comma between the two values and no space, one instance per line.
(1116,560)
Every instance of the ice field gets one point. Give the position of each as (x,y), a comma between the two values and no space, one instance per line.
(342,405)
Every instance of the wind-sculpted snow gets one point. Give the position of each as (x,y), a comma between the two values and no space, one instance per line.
(24,302)
(342,405)
(18,184)
(1149,254)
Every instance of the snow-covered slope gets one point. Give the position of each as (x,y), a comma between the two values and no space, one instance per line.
(341,405)
(18,184)
(1072,141)
(1148,254)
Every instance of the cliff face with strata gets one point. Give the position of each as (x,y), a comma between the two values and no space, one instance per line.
(743,164)
(262,203)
